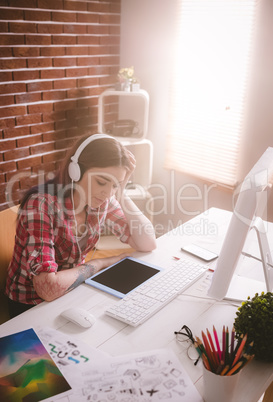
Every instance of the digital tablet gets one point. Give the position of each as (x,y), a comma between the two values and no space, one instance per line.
(121,278)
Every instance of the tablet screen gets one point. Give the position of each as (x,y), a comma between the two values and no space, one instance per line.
(124,276)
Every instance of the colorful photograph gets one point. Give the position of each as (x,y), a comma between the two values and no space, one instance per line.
(27,371)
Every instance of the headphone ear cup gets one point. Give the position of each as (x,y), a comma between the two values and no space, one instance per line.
(74,171)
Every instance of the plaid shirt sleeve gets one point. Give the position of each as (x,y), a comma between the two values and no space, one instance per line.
(37,222)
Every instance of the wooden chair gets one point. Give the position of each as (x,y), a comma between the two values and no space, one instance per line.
(7,234)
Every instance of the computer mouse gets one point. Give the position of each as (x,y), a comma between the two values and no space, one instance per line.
(79,316)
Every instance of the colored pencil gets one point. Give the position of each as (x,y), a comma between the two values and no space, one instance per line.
(240,350)
(228,360)
(217,343)
(235,368)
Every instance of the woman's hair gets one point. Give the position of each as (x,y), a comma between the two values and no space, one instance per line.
(100,153)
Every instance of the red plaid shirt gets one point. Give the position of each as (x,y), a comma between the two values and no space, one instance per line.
(45,242)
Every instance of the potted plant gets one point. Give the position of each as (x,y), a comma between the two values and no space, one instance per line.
(255,318)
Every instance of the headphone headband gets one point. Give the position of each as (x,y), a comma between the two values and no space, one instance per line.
(74,170)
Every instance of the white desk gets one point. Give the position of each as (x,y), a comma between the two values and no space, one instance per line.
(192,308)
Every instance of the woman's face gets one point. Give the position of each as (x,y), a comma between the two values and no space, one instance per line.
(100,184)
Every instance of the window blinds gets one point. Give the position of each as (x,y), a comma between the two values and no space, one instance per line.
(209,86)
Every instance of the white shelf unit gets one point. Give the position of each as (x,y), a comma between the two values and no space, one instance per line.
(142,148)
(127,110)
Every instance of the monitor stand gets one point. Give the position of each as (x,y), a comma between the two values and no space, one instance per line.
(242,287)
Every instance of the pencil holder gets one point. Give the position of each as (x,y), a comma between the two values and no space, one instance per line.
(218,388)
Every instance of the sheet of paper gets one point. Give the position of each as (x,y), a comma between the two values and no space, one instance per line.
(150,376)
(68,352)
(27,371)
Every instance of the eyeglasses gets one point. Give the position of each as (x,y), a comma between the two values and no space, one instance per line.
(185,335)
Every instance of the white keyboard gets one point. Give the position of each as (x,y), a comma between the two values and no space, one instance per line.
(141,303)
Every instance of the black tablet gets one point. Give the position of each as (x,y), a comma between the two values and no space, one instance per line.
(121,278)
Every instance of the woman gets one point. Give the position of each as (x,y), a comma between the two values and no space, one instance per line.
(60,222)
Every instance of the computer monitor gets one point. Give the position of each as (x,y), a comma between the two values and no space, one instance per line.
(225,282)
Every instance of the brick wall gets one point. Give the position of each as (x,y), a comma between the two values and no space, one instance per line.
(57,56)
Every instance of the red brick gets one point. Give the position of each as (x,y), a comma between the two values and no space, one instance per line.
(40,108)
(75,5)
(64,62)
(50,28)
(88,40)
(76,29)
(6,100)
(4,26)
(77,93)
(42,148)
(28,119)
(12,64)
(98,29)
(66,123)
(11,14)
(36,15)
(22,27)
(54,135)
(9,39)
(99,50)
(28,97)
(7,166)
(65,105)
(29,140)
(25,75)
(109,60)
(5,52)
(39,86)
(30,161)
(93,7)
(23,3)
(114,30)
(16,131)
(41,128)
(109,40)
(76,72)
(52,73)
(6,145)
(98,70)
(109,80)
(17,153)
(12,111)
(64,17)
(87,82)
(7,122)
(89,18)
(54,116)
(64,84)
(26,51)
(109,19)
(38,39)
(76,50)
(87,61)
(51,95)
(39,63)
(64,40)
(50,4)
(53,51)
(52,157)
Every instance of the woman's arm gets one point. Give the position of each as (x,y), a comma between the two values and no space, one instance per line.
(142,235)
(51,285)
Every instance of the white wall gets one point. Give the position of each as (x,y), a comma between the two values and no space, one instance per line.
(147,32)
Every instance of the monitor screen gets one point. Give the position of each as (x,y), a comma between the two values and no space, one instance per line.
(258,180)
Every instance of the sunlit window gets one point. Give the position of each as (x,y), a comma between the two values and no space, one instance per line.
(209,87)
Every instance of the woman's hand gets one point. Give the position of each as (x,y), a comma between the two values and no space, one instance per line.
(129,170)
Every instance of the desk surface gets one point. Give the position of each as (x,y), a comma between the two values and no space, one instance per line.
(193,308)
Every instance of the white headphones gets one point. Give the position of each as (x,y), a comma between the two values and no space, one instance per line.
(74,169)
